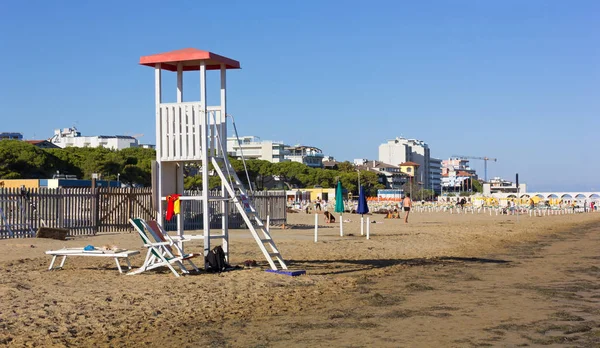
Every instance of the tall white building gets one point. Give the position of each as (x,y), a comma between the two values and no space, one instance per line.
(71,137)
(253,147)
(435,174)
(402,150)
(395,151)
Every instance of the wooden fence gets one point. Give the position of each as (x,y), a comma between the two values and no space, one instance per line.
(86,211)
(272,203)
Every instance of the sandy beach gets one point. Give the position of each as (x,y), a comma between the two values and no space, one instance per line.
(440,281)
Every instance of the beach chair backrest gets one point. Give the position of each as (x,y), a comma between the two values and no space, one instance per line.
(139,227)
(138,224)
(156,230)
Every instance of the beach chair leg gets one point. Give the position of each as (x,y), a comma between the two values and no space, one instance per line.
(161,261)
(182,266)
(144,267)
(174,270)
(62,263)
(128,263)
(52,262)
(118,265)
(136,271)
(147,261)
(193,266)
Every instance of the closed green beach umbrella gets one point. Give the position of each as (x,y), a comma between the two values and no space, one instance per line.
(339,198)
(339,205)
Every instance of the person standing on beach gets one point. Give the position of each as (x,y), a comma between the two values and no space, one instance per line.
(406,204)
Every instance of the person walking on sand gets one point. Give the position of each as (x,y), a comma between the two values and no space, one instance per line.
(318,204)
(406,204)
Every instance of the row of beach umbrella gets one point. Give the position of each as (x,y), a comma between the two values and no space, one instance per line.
(363,207)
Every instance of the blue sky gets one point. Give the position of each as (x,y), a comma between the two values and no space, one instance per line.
(515,80)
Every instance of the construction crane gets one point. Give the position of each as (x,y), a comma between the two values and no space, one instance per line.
(485,160)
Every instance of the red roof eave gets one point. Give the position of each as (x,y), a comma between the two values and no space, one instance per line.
(191,58)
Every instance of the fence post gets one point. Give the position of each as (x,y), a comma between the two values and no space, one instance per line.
(60,213)
(96,209)
(284,207)
(129,203)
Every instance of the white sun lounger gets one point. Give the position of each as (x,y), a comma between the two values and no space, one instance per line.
(116,254)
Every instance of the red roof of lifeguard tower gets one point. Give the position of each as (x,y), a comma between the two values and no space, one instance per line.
(191,58)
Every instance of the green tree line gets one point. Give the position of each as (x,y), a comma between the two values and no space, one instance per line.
(21,160)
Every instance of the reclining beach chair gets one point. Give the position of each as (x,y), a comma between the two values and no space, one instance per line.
(160,251)
(161,235)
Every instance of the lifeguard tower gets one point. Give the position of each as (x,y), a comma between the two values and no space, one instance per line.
(195,132)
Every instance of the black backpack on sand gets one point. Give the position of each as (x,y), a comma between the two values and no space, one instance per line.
(216,260)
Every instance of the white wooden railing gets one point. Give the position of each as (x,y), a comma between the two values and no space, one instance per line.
(179,131)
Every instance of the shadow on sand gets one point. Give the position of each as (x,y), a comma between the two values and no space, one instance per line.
(320,267)
(303,227)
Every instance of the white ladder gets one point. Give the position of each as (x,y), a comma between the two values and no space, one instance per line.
(247,210)
(19,226)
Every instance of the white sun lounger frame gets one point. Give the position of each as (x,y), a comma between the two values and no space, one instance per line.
(125,254)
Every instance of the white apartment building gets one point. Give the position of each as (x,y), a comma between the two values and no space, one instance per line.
(499,185)
(252,147)
(457,175)
(71,137)
(309,155)
(456,183)
(402,150)
(452,166)
(11,136)
(389,174)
